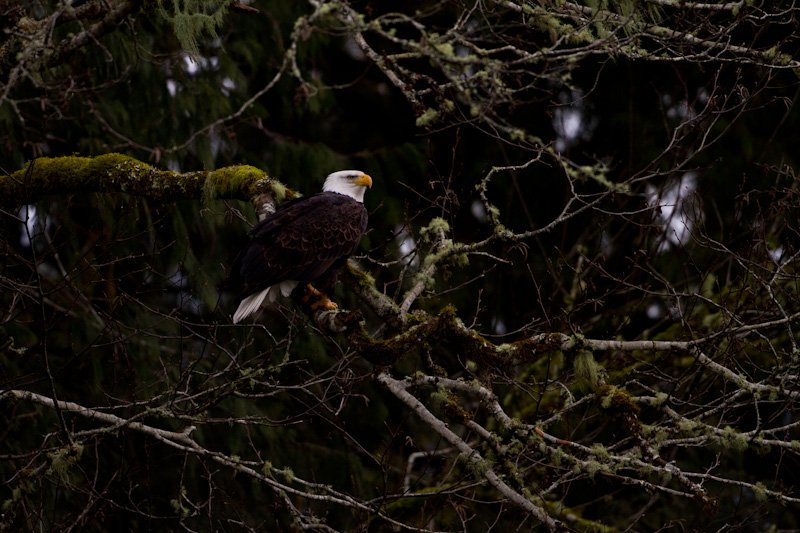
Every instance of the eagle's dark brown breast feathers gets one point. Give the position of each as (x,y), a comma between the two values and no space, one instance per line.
(301,242)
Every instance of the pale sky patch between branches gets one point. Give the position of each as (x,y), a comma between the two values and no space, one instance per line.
(28,219)
(571,121)
(672,203)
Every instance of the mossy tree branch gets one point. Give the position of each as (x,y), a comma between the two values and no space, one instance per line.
(116,173)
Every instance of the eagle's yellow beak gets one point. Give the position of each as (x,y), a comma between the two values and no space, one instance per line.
(364,180)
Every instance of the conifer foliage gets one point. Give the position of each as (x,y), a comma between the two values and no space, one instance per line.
(574,308)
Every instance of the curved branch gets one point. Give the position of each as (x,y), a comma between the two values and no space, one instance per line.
(183,442)
(398,388)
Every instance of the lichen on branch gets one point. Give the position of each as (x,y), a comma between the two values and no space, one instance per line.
(117,173)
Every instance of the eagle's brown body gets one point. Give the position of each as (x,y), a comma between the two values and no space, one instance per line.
(307,240)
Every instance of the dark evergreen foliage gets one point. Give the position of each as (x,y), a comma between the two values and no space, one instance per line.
(589,208)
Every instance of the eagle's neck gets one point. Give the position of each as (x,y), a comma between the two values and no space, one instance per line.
(356,192)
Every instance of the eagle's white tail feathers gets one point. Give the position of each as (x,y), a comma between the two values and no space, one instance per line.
(252,303)
(287,287)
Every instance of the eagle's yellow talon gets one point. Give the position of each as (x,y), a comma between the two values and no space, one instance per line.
(325,302)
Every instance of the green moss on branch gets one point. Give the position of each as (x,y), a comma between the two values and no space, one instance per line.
(117,173)
(447,331)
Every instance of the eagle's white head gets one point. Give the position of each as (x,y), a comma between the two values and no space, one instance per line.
(353,183)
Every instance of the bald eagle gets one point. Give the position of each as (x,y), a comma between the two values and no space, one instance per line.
(307,239)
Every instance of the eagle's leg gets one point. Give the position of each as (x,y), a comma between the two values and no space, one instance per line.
(322,299)
(311,291)
(325,302)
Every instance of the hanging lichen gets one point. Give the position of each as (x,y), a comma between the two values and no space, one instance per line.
(193,19)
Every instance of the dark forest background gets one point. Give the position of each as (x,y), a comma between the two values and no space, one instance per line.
(574,307)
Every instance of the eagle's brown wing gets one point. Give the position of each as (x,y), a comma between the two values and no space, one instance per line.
(301,241)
